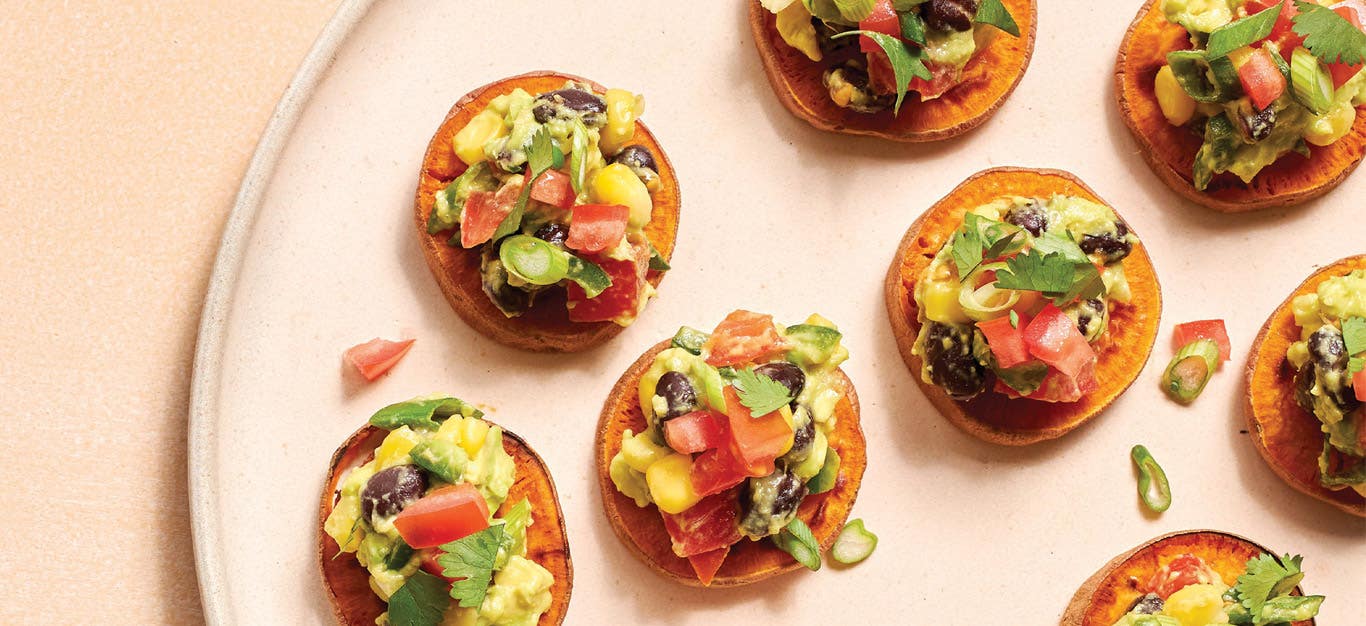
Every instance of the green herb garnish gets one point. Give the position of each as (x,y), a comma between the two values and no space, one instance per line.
(760,394)
(1049,273)
(1244,32)
(1063,244)
(973,244)
(421,601)
(578,148)
(540,156)
(1266,582)
(993,12)
(912,27)
(471,559)
(1328,35)
(1354,337)
(908,61)
(796,539)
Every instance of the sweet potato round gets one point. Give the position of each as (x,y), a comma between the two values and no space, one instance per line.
(546,327)
(988,80)
(1109,593)
(992,416)
(642,529)
(348,584)
(1287,437)
(1170,150)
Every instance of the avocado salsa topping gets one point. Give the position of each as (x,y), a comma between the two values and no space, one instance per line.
(737,435)
(1262,79)
(1330,379)
(555,195)
(428,518)
(1019,296)
(1187,591)
(902,45)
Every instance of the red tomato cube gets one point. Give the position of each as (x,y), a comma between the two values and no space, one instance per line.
(696,431)
(619,303)
(554,188)
(1261,78)
(709,525)
(1006,340)
(756,440)
(1053,338)
(484,211)
(716,470)
(707,564)
(882,19)
(1203,329)
(597,227)
(443,516)
(743,337)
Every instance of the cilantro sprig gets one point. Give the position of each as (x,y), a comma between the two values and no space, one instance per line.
(472,559)
(907,60)
(973,243)
(1052,275)
(1328,35)
(760,394)
(1264,590)
(995,13)
(540,156)
(421,601)
(1354,337)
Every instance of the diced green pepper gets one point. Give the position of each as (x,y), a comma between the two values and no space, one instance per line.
(1218,152)
(690,339)
(1205,80)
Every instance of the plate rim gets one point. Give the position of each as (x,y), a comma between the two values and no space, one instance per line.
(206,371)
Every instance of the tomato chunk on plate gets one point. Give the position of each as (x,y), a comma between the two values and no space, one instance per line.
(377,356)
(1213,330)
(443,516)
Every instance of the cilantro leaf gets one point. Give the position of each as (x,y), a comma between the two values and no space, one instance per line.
(1266,578)
(907,61)
(540,156)
(1050,274)
(1356,364)
(797,539)
(1328,35)
(1062,244)
(912,27)
(973,244)
(421,601)
(471,558)
(1086,284)
(1354,335)
(1244,32)
(761,394)
(996,14)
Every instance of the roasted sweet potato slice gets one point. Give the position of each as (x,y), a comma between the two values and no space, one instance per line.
(546,327)
(988,80)
(992,416)
(348,584)
(1111,592)
(642,529)
(1170,150)
(1289,438)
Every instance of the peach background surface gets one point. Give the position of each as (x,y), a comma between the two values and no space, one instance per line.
(127,127)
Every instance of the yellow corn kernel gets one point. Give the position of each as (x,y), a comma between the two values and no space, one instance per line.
(1331,126)
(794,25)
(641,452)
(1177,105)
(786,413)
(396,446)
(1197,605)
(451,428)
(623,107)
(617,184)
(940,299)
(670,482)
(472,439)
(483,128)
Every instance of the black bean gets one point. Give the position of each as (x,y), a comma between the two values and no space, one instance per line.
(770,502)
(1327,348)
(1147,605)
(553,232)
(1112,247)
(636,157)
(786,373)
(949,14)
(952,364)
(1029,216)
(389,491)
(1258,124)
(570,102)
(678,394)
(512,301)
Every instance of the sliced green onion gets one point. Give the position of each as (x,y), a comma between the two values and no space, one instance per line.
(825,479)
(1190,370)
(690,339)
(578,161)
(854,543)
(534,260)
(1153,487)
(796,539)
(988,301)
(1310,81)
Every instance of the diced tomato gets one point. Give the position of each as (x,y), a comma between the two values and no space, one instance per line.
(882,19)
(1183,571)
(1006,340)
(1261,78)
(707,564)
(942,78)
(1053,338)
(1203,329)
(554,188)
(484,211)
(431,566)
(619,303)
(1359,386)
(375,357)
(1353,11)
(1056,387)
(1281,32)
(717,470)
(757,440)
(709,525)
(443,516)
(743,337)
(597,227)
(696,431)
